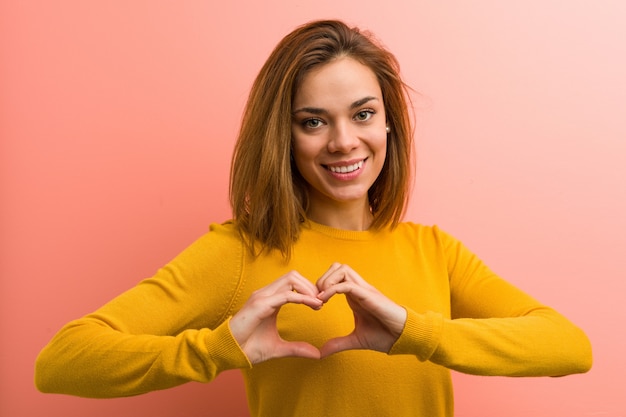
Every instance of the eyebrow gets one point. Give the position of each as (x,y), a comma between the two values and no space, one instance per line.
(318,110)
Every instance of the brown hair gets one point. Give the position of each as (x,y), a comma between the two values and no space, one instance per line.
(267,194)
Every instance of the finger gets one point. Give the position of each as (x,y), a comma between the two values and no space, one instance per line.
(297,349)
(291,281)
(260,306)
(339,344)
(335,266)
(369,301)
(330,271)
(303,286)
(365,297)
(335,274)
(349,288)
(277,300)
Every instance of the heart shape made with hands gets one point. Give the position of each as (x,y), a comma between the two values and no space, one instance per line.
(316,326)
(376,322)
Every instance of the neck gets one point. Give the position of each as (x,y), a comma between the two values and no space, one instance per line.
(346,216)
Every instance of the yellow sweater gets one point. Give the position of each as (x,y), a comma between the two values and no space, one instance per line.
(173,328)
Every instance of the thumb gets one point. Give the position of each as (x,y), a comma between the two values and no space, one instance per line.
(339,344)
(297,349)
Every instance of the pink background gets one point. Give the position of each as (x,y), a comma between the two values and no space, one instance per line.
(117,121)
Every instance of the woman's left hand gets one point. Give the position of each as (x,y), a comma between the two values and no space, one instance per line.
(378,321)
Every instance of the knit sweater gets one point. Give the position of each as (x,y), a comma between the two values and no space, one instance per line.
(173,327)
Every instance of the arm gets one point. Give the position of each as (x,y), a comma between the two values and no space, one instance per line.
(496,329)
(168,330)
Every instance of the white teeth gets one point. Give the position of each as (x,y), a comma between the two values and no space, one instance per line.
(346,168)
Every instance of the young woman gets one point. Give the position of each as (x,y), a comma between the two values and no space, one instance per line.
(327,302)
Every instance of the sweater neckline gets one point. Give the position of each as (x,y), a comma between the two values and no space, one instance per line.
(362,235)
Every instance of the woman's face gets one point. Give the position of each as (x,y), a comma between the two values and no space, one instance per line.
(339,132)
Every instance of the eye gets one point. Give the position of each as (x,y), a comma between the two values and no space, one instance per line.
(312,123)
(364,115)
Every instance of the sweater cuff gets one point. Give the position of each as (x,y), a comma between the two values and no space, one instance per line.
(421,335)
(224,350)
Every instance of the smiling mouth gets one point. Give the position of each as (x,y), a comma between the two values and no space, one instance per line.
(345,169)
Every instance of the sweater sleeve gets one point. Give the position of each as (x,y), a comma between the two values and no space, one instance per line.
(495,329)
(168,330)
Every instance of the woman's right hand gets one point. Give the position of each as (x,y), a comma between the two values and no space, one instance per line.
(254,326)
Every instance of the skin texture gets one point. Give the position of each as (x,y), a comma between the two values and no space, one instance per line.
(338,125)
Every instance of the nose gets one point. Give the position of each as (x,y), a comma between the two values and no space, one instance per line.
(342,138)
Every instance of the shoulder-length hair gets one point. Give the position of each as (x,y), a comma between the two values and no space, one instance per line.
(267,193)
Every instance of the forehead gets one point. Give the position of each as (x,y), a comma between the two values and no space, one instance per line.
(341,79)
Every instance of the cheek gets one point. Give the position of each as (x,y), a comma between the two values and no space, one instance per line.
(302,158)
(303,150)
(379,144)
(380,147)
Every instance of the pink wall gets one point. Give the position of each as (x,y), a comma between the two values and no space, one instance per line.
(117,121)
